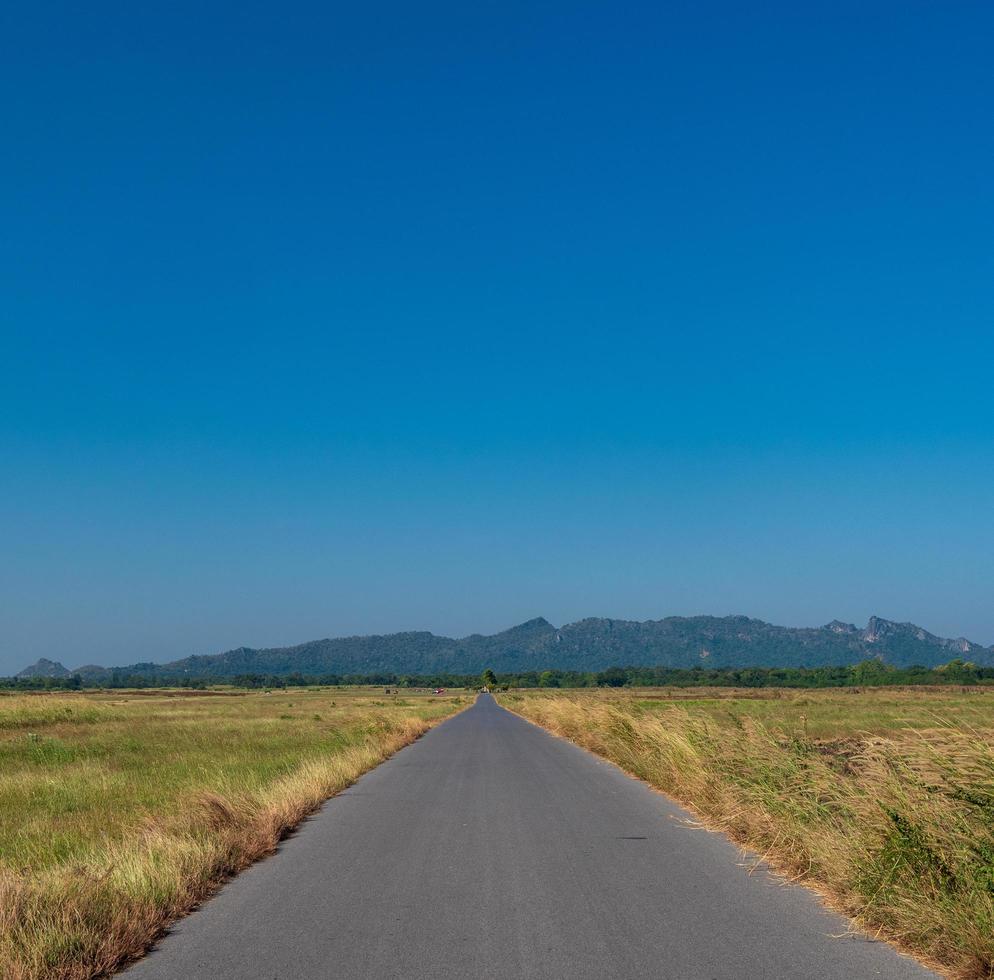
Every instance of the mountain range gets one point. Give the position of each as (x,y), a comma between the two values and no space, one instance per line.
(587,645)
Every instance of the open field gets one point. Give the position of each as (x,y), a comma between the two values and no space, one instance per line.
(828,713)
(119,811)
(882,799)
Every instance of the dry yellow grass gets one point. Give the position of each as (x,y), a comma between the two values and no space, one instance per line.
(894,823)
(120,813)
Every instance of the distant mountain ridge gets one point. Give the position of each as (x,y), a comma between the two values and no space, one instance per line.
(45,668)
(589,644)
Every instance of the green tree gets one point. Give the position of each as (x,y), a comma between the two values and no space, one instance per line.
(957,671)
(612,677)
(489,678)
(872,671)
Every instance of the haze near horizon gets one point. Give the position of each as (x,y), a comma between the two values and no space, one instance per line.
(328,321)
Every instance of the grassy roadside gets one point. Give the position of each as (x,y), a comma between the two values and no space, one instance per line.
(120,812)
(888,810)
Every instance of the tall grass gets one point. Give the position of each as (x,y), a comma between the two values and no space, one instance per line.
(117,816)
(896,829)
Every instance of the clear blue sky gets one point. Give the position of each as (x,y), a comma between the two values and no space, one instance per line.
(342,318)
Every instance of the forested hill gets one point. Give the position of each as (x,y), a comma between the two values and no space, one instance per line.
(590,644)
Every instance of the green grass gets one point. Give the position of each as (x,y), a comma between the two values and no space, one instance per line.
(120,811)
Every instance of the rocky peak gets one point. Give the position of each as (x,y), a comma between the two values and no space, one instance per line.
(837,626)
(877,628)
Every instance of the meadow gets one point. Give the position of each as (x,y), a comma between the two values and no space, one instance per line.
(881,799)
(120,811)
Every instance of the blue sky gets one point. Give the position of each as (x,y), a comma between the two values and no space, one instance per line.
(322,319)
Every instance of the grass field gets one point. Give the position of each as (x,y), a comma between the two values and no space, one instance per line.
(882,799)
(120,811)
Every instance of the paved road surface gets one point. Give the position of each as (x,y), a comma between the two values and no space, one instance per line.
(490,849)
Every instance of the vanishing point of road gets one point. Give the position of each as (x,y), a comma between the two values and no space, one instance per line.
(490,849)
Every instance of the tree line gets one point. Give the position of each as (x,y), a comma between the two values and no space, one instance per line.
(865,673)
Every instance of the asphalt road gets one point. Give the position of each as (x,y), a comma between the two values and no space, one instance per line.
(490,849)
